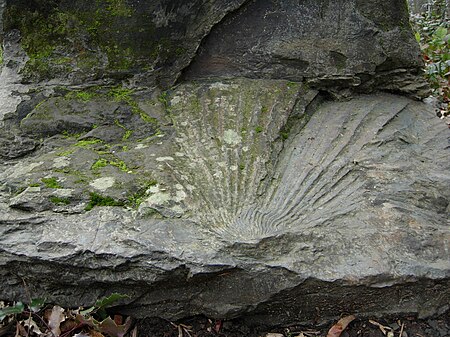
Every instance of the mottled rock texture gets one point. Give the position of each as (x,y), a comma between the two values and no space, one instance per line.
(195,155)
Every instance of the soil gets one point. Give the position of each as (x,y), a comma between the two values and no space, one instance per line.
(204,327)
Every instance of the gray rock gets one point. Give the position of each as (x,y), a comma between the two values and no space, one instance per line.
(336,46)
(266,200)
(255,195)
(88,40)
(311,41)
(15,146)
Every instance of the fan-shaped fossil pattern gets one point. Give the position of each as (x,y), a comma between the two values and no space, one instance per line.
(266,190)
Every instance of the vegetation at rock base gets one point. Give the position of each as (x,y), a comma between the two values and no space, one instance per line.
(37,319)
(433,33)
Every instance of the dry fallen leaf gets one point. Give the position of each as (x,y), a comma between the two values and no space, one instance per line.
(93,333)
(81,334)
(384,329)
(110,327)
(340,326)
(272,334)
(55,319)
(134,332)
(20,330)
(32,326)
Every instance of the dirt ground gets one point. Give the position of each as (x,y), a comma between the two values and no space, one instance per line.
(203,327)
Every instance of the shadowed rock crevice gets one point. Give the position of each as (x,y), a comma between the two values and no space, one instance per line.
(248,43)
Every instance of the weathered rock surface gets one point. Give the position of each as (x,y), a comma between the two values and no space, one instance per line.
(352,46)
(244,189)
(260,199)
(357,45)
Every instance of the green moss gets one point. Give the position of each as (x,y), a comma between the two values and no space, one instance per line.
(102,162)
(120,164)
(65,153)
(69,135)
(121,94)
(81,181)
(119,8)
(59,200)
(84,96)
(284,135)
(259,129)
(96,199)
(43,30)
(35,185)
(99,164)
(51,182)
(86,143)
(292,85)
(60,38)
(137,198)
(146,118)
(180,51)
(127,134)
(81,178)
(1,55)
(164,99)
(124,95)
(20,190)
(120,125)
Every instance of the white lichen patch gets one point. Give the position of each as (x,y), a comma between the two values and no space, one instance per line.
(153,189)
(22,169)
(61,162)
(103,184)
(63,192)
(231,137)
(141,146)
(175,100)
(219,85)
(164,159)
(180,196)
(33,189)
(158,199)
(178,210)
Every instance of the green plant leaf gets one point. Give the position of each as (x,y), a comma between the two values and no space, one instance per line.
(108,301)
(15,309)
(417,35)
(440,32)
(87,311)
(37,304)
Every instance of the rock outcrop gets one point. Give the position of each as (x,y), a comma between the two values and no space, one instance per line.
(198,156)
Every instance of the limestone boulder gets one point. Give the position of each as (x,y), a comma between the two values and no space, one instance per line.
(259,198)
(227,158)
